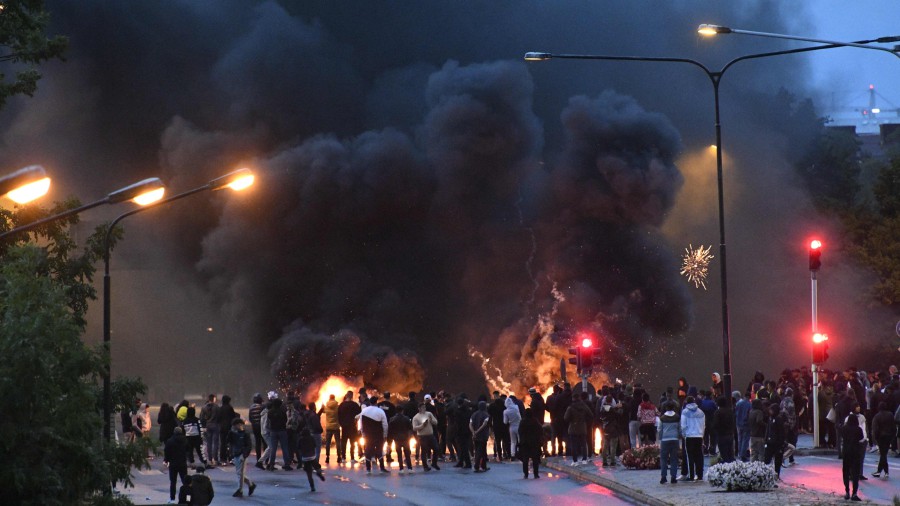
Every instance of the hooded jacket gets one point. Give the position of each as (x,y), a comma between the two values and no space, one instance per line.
(668,426)
(511,415)
(374,422)
(578,415)
(400,428)
(756,420)
(331,415)
(693,421)
(742,414)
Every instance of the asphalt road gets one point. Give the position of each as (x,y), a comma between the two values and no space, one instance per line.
(502,485)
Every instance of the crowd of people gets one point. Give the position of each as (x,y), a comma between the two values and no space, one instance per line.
(859,412)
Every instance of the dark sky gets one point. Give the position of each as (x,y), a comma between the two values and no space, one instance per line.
(421,190)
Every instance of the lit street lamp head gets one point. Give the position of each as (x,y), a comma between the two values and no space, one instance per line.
(143,192)
(237,180)
(710,30)
(536,56)
(25,185)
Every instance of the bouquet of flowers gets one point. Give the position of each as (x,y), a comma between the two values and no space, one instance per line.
(645,457)
(742,476)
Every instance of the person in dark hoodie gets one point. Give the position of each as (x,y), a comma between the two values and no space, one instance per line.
(668,426)
(693,425)
(167,422)
(226,416)
(884,431)
(708,406)
(538,406)
(479,424)
(463,413)
(175,455)
(279,435)
(306,447)
(530,443)
(347,411)
(851,437)
(375,429)
(756,423)
(400,431)
(199,488)
(501,431)
(579,417)
(775,438)
(241,444)
(724,427)
(742,422)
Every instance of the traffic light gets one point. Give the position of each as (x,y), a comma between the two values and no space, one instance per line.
(819,348)
(586,353)
(575,359)
(815,255)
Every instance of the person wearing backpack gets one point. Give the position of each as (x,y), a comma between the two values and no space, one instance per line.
(647,414)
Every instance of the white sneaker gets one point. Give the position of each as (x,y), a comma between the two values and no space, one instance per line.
(410,471)
(401,470)
(681,477)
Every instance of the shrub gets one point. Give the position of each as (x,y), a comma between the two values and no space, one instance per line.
(645,457)
(742,476)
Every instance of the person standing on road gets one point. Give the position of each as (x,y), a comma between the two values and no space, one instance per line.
(255,416)
(463,433)
(723,426)
(400,431)
(175,456)
(789,408)
(757,426)
(424,423)
(668,426)
(578,416)
(209,420)
(241,446)
(389,410)
(374,429)
(479,425)
(226,416)
(332,429)
(167,422)
(500,429)
(742,421)
(278,431)
(530,437)
(884,430)
(192,433)
(347,411)
(775,437)
(511,420)
(852,436)
(693,424)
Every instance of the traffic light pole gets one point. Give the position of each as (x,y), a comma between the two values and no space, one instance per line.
(815,368)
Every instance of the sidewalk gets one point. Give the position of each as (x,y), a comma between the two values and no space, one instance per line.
(816,480)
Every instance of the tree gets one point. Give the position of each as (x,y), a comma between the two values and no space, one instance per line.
(23,42)
(50,400)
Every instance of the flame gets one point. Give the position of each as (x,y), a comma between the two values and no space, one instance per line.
(337,386)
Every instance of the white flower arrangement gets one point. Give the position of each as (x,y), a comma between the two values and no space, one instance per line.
(742,476)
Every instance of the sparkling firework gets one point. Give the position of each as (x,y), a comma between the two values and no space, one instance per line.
(695,265)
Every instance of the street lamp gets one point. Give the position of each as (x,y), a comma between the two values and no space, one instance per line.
(25,185)
(712,30)
(715,78)
(237,180)
(143,192)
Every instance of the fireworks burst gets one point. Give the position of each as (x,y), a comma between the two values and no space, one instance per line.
(695,264)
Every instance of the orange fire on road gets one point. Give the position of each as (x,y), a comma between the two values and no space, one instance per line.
(337,386)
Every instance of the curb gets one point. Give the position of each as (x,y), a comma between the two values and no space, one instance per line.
(618,488)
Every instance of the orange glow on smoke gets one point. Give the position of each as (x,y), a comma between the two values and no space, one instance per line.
(337,386)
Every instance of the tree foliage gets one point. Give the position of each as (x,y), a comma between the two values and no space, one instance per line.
(23,42)
(50,397)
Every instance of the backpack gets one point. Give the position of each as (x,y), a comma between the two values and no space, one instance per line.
(293,420)
(648,416)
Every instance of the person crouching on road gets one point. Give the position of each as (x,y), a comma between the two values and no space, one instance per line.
(241,445)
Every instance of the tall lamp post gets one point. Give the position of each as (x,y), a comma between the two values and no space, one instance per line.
(237,180)
(710,30)
(25,185)
(715,77)
(143,193)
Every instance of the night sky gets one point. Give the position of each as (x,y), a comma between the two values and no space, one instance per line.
(423,192)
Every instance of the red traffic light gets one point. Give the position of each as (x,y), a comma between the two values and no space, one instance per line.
(819,348)
(586,342)
(815,255)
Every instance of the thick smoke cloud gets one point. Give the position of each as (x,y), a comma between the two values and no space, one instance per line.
(420,188)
